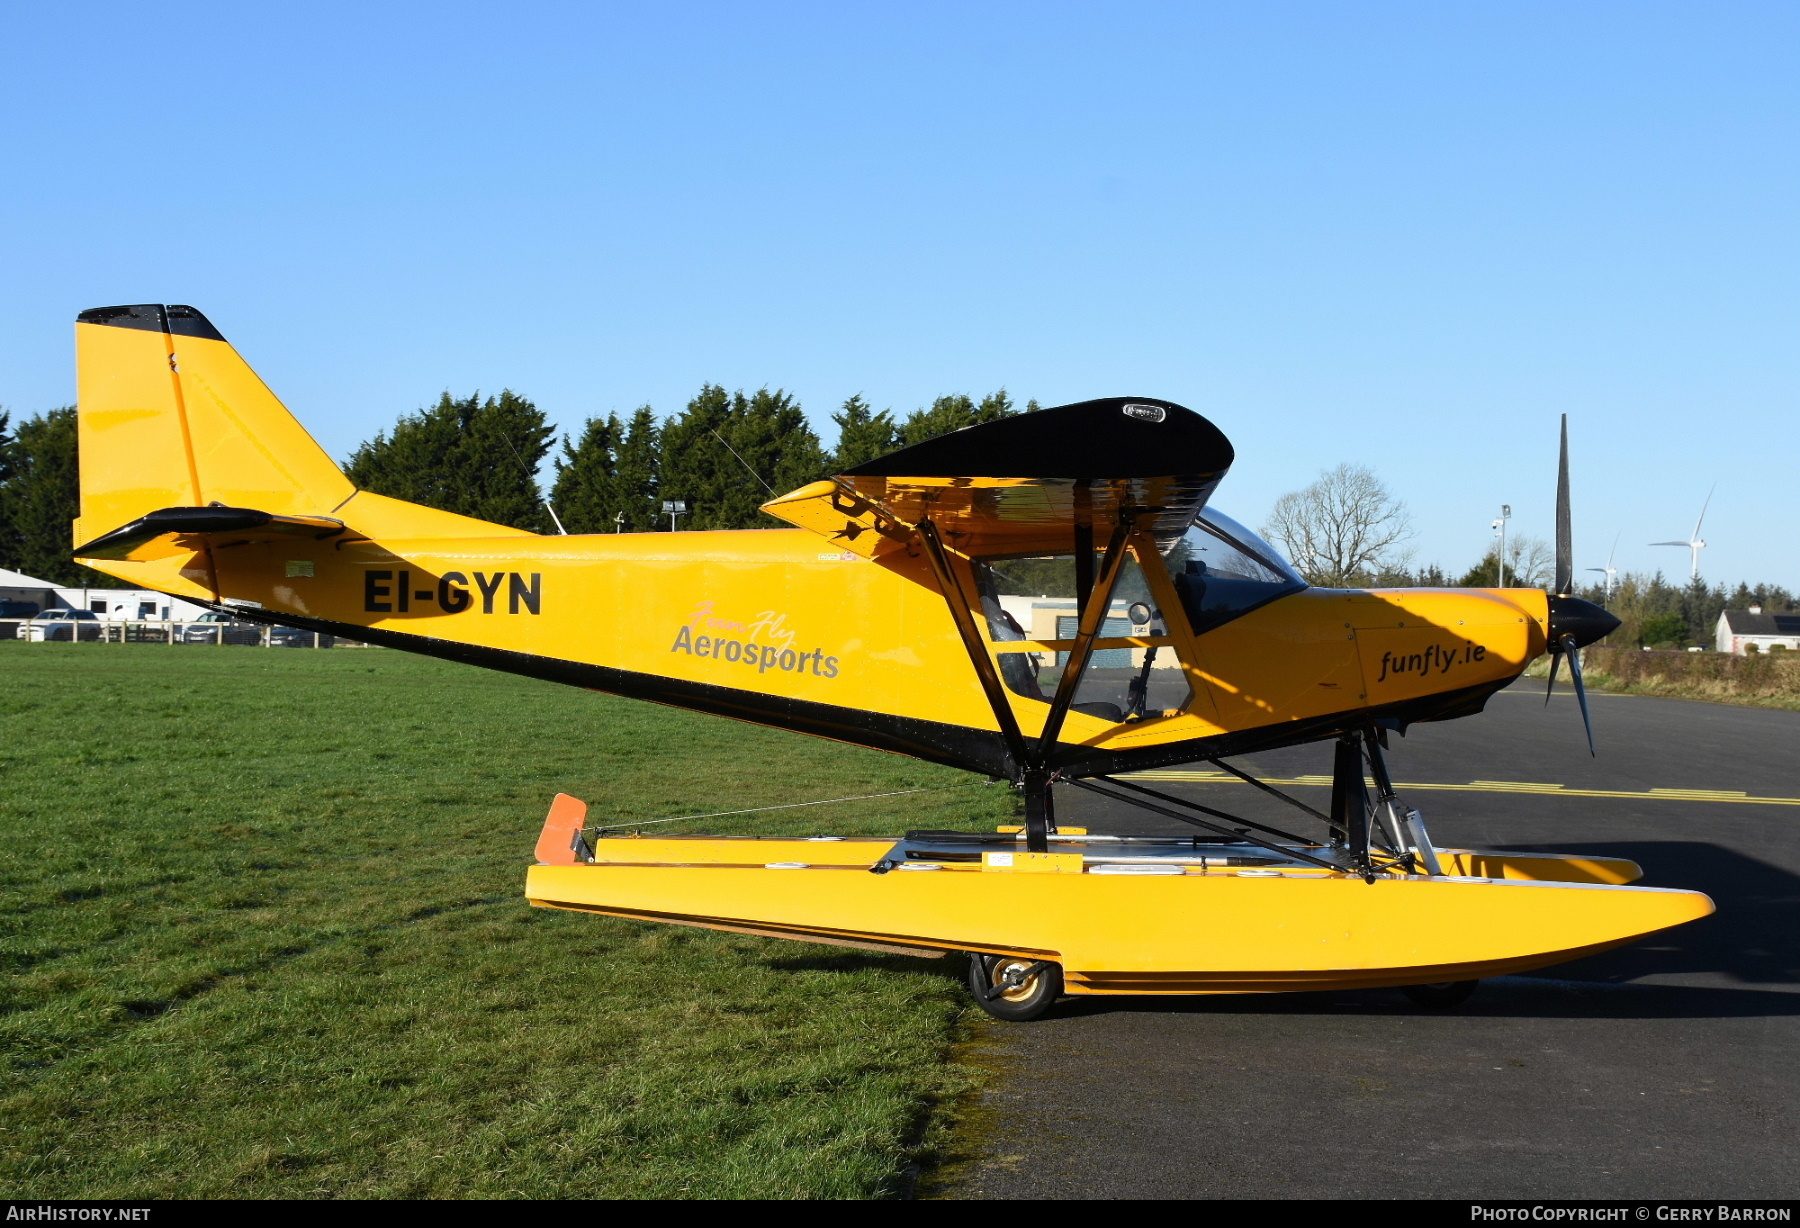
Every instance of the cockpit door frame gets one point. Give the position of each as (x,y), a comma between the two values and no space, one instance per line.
(1178,638)
(1176,626)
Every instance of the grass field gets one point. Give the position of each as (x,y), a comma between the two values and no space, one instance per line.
(1763,680)
(264,937)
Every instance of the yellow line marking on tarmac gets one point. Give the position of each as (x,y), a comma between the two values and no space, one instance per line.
(1564,692)
(1491,786)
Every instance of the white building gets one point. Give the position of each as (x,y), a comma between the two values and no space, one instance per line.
(18,590)
(136,604)
(1738,629)
(133,604)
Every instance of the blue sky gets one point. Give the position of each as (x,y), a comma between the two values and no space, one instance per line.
(1405,235)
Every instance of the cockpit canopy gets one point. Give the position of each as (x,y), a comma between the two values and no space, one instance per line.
(1222,570)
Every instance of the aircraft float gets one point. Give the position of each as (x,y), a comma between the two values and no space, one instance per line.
(1049,599)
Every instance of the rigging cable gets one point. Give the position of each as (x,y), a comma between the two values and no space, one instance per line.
(787,806)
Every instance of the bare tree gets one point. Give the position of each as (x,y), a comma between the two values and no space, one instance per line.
(1529,564)
(1340,529)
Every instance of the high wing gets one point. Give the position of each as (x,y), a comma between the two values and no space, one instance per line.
(1024,484)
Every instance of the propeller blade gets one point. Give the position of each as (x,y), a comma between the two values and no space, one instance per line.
(1580,690)
(1555,660)
(1565,550)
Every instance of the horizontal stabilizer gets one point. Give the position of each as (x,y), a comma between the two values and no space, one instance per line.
(183,530)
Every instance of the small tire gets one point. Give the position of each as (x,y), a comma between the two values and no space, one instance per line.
(1013,988)
(1440,995)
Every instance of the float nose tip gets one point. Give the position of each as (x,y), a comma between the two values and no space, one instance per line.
(1585,621)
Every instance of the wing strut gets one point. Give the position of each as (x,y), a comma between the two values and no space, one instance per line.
(1087,630)
(958,602)
(1032,768)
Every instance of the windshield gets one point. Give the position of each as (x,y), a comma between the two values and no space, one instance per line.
(1222,570)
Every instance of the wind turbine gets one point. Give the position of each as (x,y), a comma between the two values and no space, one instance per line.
(1609,570)
(1694,544)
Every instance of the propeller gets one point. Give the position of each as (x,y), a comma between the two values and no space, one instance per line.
(1569,648)
(1574,623)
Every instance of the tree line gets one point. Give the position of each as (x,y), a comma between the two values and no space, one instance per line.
(725,453)
(40,496)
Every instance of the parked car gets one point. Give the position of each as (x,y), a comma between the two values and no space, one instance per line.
(208,628)
(220,629)
(62,625)
(293,637)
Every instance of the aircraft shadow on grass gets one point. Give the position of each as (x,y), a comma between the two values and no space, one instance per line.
(1753,939)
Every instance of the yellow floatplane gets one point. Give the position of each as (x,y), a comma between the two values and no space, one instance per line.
(1048,599)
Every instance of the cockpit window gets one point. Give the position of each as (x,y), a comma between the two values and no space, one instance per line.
(1222,570)
(1033,601)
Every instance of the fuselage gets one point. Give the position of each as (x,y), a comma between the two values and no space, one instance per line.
(196,481)
(776,627)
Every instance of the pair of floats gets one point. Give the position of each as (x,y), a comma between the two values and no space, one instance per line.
(1096,914)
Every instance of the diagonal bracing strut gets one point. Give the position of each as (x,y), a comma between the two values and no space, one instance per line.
(1279,850)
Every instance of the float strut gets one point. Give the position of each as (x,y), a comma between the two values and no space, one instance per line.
(1387,805)
(1349,804)
(1040,812)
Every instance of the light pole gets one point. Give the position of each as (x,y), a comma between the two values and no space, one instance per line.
(674,508)
(1500,526)
(619,523)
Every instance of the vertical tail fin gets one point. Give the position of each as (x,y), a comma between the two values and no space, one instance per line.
(171,416)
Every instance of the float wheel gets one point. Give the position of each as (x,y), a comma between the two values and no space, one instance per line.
(1440,995)
(1013,988)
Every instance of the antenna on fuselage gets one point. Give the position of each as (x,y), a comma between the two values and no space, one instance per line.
(742,461)
(532,478)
